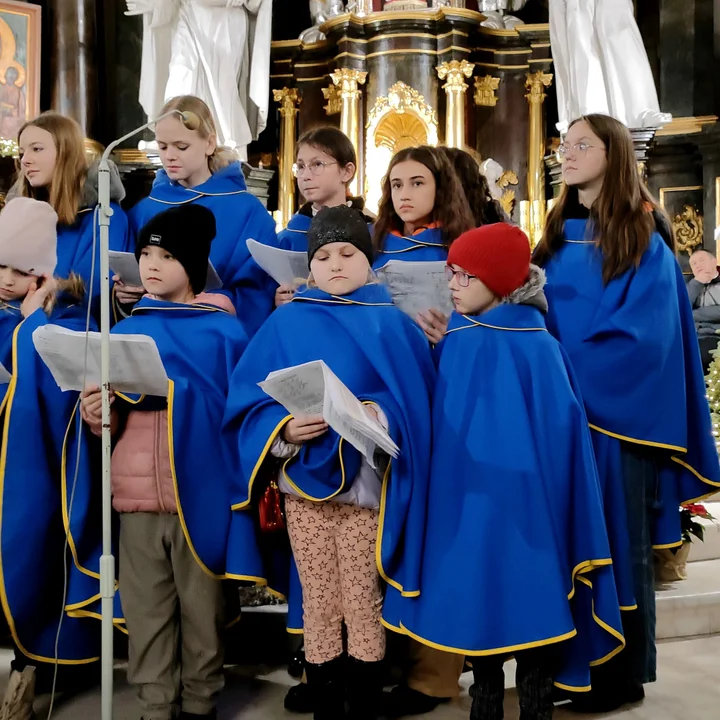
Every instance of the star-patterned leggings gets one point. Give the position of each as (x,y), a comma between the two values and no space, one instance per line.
(334,548)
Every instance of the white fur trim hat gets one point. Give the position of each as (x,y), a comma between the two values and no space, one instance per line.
(28,236)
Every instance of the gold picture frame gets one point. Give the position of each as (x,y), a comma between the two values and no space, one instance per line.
(20,29)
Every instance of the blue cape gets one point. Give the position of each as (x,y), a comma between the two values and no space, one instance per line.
(383,357)
(240,215)
(35,415)
(633,346)
(425,246)
(10,318)
(294,236)
(199,346)
(515,517)
(75,248)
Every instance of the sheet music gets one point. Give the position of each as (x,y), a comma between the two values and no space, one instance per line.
(135,364)
(313,389)
(126,266)
(283,266)
(5,376)
(417,286)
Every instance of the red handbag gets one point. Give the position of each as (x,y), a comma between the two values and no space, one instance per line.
(270,511)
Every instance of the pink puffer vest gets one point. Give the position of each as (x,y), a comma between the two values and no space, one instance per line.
(141,473)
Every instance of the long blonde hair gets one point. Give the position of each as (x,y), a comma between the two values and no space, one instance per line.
(222,156)
(65,190)
(73,286)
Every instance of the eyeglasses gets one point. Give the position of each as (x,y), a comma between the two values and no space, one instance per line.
(463,278)
(316,168)
(578,148)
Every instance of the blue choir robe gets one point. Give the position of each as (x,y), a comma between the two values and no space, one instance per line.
(294,236)
(633,346)
(200,346)
(240,216)
(424,246)
(382,357)
(515,554)
(35,416)
(75,248)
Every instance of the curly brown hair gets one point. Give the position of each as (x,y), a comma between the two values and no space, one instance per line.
(623,218)
(485,209)
(451,211)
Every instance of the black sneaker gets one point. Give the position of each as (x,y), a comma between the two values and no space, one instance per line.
(403,700)
(300,699)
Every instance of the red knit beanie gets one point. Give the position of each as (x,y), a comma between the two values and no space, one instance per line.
(498,255)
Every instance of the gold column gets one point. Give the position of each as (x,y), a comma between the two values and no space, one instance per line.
(536,84)
(347,81)
(288,99)
(455,72)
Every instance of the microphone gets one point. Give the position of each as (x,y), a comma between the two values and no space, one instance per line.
(189,119)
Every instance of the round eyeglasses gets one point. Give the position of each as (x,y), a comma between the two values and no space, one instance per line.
(463,279)
(580,148)
(316,167)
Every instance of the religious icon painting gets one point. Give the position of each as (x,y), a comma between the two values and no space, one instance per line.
(19,65)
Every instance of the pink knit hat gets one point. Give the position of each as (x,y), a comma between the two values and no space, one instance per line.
(28,236)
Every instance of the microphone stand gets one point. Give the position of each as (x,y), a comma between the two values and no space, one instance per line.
(107,560)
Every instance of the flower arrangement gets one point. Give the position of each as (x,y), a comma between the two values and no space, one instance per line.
(690,526)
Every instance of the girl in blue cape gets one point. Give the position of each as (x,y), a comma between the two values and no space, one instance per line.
(53,168)
(515,520)
(325,165)
(35,415)
(350,525)
(619,306)
(178,535)
(422,210)
(197,170)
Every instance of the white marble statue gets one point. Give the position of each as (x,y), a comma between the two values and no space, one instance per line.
(601,65)
(218,50)
(492,170)
(320,11)
(494,11)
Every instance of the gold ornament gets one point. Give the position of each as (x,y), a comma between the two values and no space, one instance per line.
(688,227)
(485,88)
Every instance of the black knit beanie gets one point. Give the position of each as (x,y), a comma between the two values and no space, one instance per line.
(339,224)
(186,232)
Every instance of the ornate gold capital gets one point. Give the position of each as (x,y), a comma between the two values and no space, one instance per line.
(485,88)
(288,99)
(536,84)
(347,81)
(454,72)
(332,95)
(688,227)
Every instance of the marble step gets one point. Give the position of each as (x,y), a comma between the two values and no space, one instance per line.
(710,548)
(691,607)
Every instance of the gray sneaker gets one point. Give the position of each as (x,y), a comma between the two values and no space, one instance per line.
(19,696)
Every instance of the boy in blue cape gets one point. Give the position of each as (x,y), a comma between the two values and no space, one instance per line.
(34,415)
(178,535)
(515,520)
(349,524)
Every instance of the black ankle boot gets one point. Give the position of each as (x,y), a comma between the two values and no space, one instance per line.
(535,692)
(487,692)
(328,683)
(364,689)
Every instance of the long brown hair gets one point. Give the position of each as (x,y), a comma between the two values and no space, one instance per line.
(485,209)
(65,190)
(622,219)
(222,156)
(73,286)
(451,210)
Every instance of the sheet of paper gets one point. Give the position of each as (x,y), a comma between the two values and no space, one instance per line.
(313,389)
(283,266)
(73,358)
(126,266)
(417,286)
(5,376)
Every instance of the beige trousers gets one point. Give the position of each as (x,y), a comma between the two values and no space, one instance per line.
(433,672)
(175,616)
